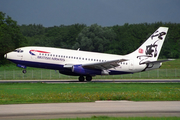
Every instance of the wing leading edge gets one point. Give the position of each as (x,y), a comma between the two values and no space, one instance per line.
(102,65)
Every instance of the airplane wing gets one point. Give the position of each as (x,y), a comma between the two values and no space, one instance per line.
(104,65)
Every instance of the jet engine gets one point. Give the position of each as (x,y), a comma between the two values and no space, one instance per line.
(85,71)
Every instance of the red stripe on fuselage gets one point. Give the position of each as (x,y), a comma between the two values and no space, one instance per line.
(39,51)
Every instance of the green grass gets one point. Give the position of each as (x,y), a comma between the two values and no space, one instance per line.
(87,92)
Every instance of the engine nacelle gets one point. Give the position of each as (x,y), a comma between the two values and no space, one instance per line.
(152,66)
(85,71)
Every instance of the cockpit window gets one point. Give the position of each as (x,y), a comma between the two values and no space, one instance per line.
(18,50)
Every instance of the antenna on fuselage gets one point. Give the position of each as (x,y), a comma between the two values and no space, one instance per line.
(78,49)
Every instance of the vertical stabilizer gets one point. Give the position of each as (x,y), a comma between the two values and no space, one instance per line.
(150,49)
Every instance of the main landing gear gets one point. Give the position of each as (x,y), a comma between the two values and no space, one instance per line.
(88,78)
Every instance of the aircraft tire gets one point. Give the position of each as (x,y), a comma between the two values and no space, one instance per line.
(81,78)
(24,71)
(88,78)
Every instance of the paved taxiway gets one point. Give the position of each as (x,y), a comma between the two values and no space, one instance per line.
(98,81)
(105,108)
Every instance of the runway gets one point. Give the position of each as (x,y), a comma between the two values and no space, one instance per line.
(98,108)
(97,81)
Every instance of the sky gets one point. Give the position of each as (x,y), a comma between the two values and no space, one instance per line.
(51,13)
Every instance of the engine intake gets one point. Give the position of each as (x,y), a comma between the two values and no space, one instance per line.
(85,71)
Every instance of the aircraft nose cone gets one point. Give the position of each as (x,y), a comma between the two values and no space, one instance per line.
(5,56)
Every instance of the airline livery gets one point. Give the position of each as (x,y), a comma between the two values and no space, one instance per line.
(87,64)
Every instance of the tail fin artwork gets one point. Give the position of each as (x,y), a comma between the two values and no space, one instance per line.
(149,51)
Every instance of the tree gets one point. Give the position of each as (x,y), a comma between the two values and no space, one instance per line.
(10,36)
(95,38)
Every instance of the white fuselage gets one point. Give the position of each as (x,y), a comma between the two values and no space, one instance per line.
(47,57)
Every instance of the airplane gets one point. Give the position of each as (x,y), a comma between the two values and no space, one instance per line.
(88,64)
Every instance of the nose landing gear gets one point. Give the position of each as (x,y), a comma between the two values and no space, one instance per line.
(22,66)
(24,71)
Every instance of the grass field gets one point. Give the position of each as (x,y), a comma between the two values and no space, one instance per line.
(87,92)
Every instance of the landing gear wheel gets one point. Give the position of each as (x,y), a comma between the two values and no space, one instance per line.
(88,78)
(24,71)
(81,78)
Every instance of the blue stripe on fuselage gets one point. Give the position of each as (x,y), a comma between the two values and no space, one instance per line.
(59,67)
(39,64)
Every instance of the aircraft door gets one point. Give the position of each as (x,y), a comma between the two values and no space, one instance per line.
(33,54)
(33,57)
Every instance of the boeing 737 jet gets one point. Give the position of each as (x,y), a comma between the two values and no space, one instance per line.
(88,64)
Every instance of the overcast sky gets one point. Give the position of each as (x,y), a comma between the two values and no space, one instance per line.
(103,12)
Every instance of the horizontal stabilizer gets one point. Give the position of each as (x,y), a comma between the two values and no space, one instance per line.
(159,61)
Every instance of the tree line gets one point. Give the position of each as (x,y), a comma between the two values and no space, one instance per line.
(118,39)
